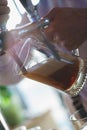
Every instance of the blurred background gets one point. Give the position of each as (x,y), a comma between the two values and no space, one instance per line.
(34,104)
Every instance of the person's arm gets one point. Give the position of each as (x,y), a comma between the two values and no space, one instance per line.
(8,73)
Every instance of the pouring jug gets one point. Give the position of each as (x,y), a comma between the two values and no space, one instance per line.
(47,63)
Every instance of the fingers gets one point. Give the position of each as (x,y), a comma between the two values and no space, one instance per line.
(4,10)
(4,18)
(4,14)
(3,2)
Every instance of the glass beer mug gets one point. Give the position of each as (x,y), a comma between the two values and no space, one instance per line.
(47,63)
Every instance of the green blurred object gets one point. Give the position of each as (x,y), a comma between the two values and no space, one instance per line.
(10,106)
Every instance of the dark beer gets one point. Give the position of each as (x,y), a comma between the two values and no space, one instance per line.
(54,73)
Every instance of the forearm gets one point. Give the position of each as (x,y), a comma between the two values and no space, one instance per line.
(8,74)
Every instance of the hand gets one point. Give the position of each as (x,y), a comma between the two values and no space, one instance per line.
(68,26)
(4,11)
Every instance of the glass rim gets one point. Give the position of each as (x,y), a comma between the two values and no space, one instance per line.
(76,116)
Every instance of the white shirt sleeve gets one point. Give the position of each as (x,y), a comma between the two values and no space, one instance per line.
(8,72)
(9,69)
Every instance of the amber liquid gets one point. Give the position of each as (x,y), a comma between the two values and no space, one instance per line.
(59,75)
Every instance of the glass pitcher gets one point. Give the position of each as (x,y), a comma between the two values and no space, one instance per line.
(45,61)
